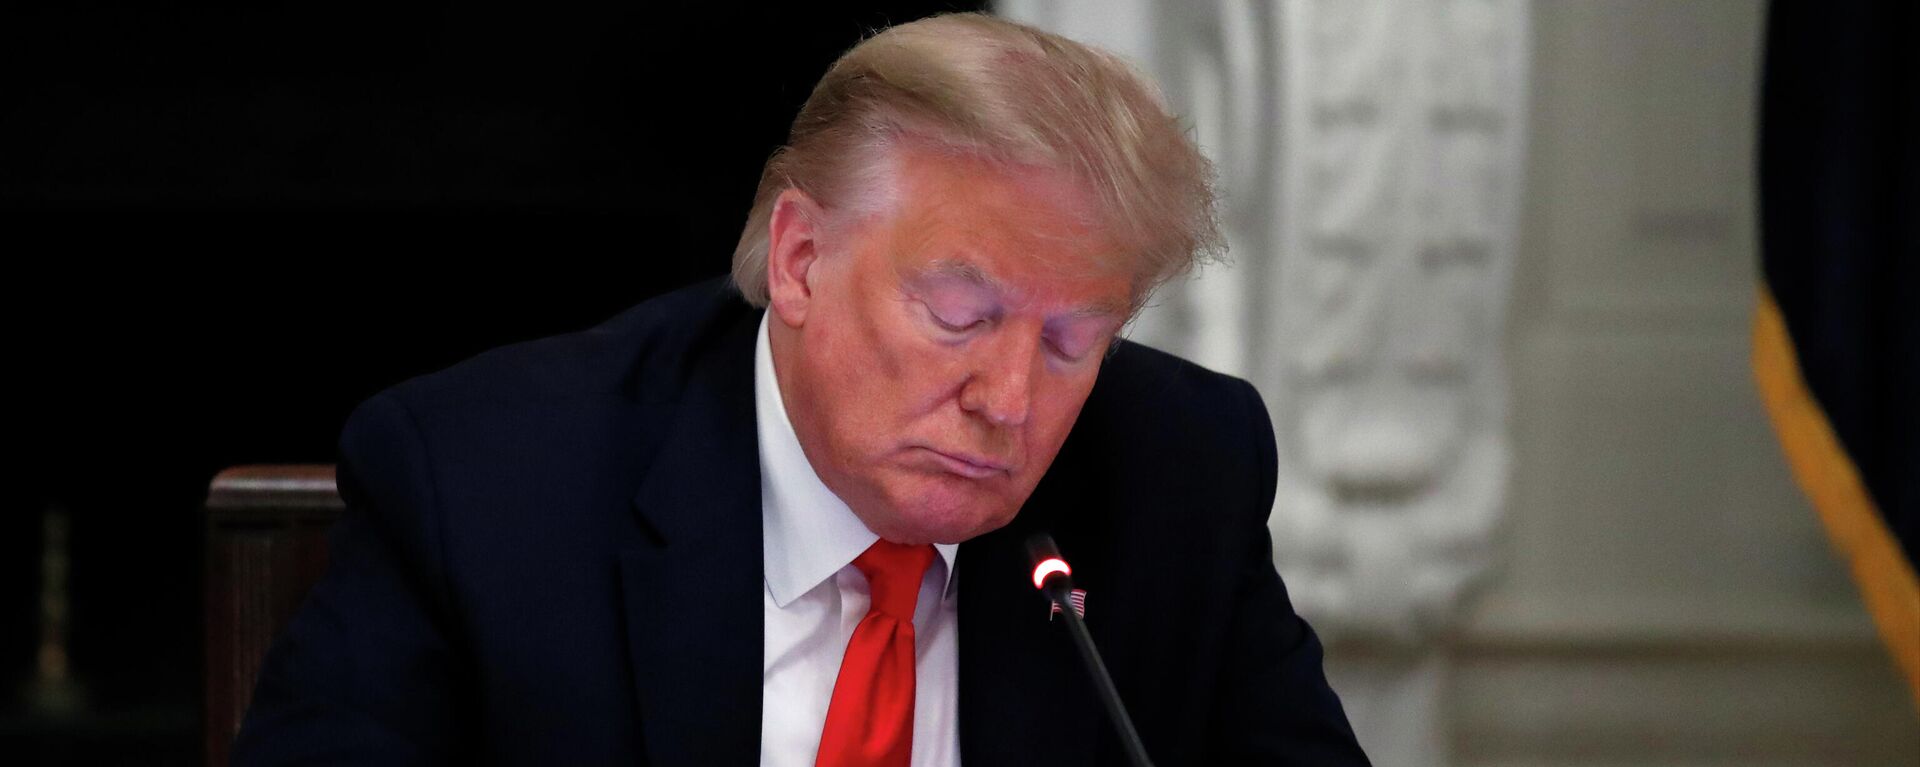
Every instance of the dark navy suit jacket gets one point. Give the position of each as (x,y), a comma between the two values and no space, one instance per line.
(551,554)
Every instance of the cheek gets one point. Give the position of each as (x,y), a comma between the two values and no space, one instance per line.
(919,374)
(854,341)
(887,378)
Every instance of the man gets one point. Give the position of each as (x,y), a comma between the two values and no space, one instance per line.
(703,533)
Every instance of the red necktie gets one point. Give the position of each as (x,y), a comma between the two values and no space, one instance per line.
(870,721)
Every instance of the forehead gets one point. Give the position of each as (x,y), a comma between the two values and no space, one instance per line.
(1089,298)
(1017,230)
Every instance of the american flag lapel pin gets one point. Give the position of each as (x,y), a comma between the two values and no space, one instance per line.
(1079,599)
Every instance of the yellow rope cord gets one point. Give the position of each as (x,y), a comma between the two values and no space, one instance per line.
(1832,483)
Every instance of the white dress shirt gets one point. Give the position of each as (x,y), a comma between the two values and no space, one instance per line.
(815,597)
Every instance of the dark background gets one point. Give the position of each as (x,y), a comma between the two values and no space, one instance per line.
(1840,238)
(228,223)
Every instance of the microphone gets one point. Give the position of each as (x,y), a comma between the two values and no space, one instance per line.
(1053,577)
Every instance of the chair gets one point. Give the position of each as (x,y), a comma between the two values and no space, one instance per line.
(266,546)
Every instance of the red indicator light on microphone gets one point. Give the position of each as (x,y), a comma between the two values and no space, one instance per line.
(1048,567)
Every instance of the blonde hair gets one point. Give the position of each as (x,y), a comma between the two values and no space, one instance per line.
(1012,94)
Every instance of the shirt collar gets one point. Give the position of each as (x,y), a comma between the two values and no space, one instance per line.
(808,533)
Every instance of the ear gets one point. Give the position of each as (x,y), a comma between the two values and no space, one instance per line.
(793,233)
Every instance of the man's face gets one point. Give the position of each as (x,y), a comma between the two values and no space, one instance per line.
(933,357)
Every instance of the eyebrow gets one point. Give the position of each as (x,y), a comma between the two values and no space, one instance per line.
(947,267)
(967,272)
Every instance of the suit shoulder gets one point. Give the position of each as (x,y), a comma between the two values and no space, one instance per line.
(1152,390)
(1167,422)
(633,353)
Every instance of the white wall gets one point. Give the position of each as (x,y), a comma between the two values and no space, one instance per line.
(1668,597)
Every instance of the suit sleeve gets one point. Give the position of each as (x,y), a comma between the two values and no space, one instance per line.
(1275,706)
(367,671)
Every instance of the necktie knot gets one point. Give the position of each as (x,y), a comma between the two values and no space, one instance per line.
(894,572)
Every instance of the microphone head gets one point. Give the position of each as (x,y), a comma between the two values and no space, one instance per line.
(1040,547)
(1047,563)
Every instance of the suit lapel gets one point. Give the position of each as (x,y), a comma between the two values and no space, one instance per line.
(693,590)
(1024,696)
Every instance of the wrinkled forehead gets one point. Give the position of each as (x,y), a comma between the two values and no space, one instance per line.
(976,218)
(1074,298)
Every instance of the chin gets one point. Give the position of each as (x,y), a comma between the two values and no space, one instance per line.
(939,514)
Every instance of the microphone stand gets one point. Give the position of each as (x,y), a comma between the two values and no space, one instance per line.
(1057,589)
(1052,576)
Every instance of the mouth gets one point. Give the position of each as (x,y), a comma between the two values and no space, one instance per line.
(971,466)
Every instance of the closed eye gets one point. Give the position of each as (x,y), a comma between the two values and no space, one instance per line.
(1075,340)
(1062,353)
(951,327)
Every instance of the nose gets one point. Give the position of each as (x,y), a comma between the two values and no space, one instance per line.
(1001,386)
